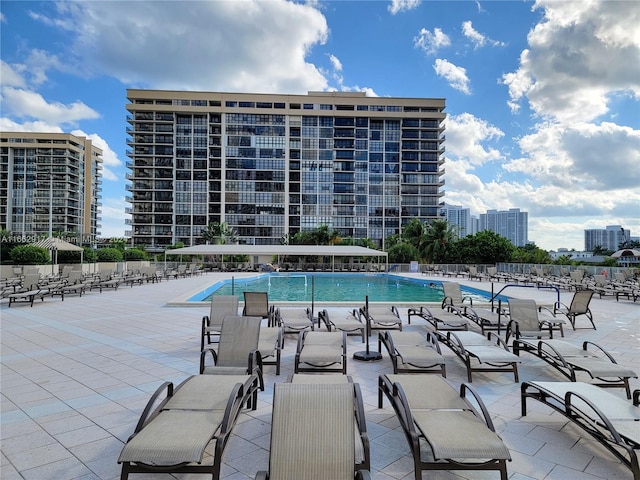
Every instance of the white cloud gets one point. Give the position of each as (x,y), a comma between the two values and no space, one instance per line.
(456,76)
(8,125)
(335,62)
(228,46)
(10,77)
(578,56)
(429,42)
(467,136)
(113,217)
(479,40)
(398,6)
(602,158)
(23,103)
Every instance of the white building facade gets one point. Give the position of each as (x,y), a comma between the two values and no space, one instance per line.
(269,165)
(512,224)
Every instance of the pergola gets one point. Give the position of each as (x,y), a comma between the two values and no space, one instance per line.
(54,245)
(282,250)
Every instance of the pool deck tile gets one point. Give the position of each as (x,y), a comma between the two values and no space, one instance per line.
(76,374)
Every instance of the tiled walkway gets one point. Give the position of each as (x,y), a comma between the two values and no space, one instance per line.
(77,373)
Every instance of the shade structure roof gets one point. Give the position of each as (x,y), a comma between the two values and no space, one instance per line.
(627,252)
(53,243)
(293,250)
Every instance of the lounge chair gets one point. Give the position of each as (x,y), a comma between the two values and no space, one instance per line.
(270,342)
(173,436)
(348,321)
(321,352)
(569,360)
(294,320)
(579,306)
(363,457)
(451,319)
(490,352)
(443,428)
(474,274)
(412,352)
(237,349)
(453,296)
(220,307)
(524,322)
(256,304)
(608,418)
(313,432)
(381,318)
(488,319)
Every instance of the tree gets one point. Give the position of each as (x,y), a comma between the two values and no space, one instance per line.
(219,234)
(439,238)
(403,252)
(29,255)
(415,233)
(483,247)
(530,253)
(109,254)
(135,254)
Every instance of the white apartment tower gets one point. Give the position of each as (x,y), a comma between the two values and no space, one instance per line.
(50,182)
(609,238)
(512,224)
(460,218)
(269,165)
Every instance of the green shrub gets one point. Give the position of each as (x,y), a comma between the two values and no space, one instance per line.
(68,256)
(29,255)
(135,254)
(109,255)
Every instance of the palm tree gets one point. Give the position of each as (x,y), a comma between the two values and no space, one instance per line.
(219,234)
(439,237)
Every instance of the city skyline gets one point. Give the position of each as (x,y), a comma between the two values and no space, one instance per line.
(518,77)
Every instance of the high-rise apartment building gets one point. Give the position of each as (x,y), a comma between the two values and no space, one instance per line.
(50,182)
(512,224)
(609,238)
(269,165)
(460,218)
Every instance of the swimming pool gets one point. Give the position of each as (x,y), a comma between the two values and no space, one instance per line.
(335,287)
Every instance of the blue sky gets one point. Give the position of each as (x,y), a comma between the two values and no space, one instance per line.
(543,98)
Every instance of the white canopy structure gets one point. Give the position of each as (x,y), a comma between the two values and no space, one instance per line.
(281,250)
(54,245)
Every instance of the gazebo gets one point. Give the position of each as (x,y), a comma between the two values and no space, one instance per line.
(282,250)
(54,244)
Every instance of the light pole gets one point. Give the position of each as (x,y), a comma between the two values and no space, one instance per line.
(51,203)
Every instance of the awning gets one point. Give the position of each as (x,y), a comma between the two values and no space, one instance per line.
(280,250)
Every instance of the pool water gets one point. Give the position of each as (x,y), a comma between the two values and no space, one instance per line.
(332,287)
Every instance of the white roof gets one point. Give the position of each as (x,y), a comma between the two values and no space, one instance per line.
(294,250)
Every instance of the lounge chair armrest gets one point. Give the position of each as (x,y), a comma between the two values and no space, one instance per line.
(147,413)
(453,339)
(501,343)
(464,388)
(363,475)
(604,352)
(636,397)
(205,321)
(203,356)
(546,350)
(262,475)
(433,339)
(605,421)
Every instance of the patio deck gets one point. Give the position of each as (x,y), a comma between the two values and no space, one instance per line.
(76,374)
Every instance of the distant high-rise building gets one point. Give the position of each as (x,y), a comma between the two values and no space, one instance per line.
(268,165)
(512,224)
(50,182)
(461,218)
(609,238)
